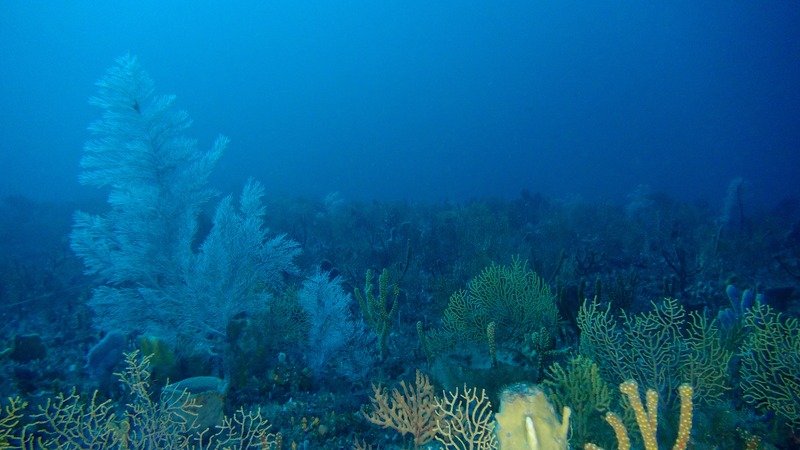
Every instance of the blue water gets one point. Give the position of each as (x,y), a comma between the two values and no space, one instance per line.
(624,152)
(426,100)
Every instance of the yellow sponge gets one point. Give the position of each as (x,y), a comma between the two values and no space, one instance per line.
(528,421)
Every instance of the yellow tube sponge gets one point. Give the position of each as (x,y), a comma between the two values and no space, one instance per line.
(646,418)
(623,441)
(685,392)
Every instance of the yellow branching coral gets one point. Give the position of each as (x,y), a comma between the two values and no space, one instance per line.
(579,386)
(9,421)
(515,298)
(663,348)
(466,421)
(512,298)
(409,410)
(70,421)
(771,363)
(361,445)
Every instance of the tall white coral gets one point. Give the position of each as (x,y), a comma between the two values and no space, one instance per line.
(152,277)
(336,337)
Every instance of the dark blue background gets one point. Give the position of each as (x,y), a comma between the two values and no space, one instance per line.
(425,100)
